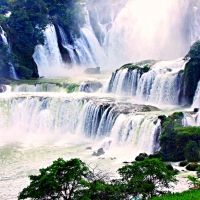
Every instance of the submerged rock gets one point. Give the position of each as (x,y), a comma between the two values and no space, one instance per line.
(92,70)
(2,88)
(99,152)
(90,86)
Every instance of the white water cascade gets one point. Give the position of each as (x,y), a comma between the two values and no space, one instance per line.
(41,87)
(160,85)
(13,73)
(48,57)
(196,102)
(195,27)
(133,36)
(144,29)
(3,36)
(84,116)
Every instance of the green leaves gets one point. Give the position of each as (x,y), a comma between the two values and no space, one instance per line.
(61,179)
(146,177)
(73,179)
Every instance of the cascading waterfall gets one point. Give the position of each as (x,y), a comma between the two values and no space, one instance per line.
(196,102)
(195,27)
(87,47)
(79,51)
(43,87)
(40,114)
(91,118)
(140,131)
(48,57)
(84,51)
(13,73)
(160,37)
(160,85)
(3,36)
(68,47)
(191,119)
(137,36)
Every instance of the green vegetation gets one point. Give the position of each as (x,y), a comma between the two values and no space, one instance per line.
(73,87)
(132,66)
(187,195)
(63,179)
(25,26)
(148,177)
(73,179)
(192,71)
(177,142)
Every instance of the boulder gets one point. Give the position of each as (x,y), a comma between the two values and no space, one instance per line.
(92,70)
(192,166)
(2,88)
(99,152)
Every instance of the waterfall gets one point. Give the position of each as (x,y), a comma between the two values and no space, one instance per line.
(87,47)
(90,86)
(196,102)
(3,36)
(162,84)
(132,37)
(43,87)
(139,131)
(83,51)
(89,117)
(71,50)
(37,114)
(144,29)
(13,73)
(48,57)
(195,27)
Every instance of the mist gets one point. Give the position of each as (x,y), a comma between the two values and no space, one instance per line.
(116,33)
(149,29)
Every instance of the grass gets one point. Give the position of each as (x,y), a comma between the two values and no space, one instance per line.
(186,195)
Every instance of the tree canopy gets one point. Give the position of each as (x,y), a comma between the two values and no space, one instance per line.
(27,21)
(73,179)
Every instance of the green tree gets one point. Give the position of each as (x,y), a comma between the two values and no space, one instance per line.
(63,179)
(191,152)
(67,13)
(192,71)
(27,21)
(147,178)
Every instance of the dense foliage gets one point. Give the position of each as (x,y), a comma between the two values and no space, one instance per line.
(26,23)
(73,179)
(178,142)
(192,71)
(147,178)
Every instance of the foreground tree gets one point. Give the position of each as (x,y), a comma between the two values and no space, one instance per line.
(146,178)
(63,179)
(75,180)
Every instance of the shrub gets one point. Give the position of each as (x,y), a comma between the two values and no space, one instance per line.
(192,166)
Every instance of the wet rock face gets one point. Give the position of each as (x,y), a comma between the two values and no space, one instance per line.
(99,152)
(2,88)
(95,70)
(90,86)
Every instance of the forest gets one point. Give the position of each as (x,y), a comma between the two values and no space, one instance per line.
(24,22)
